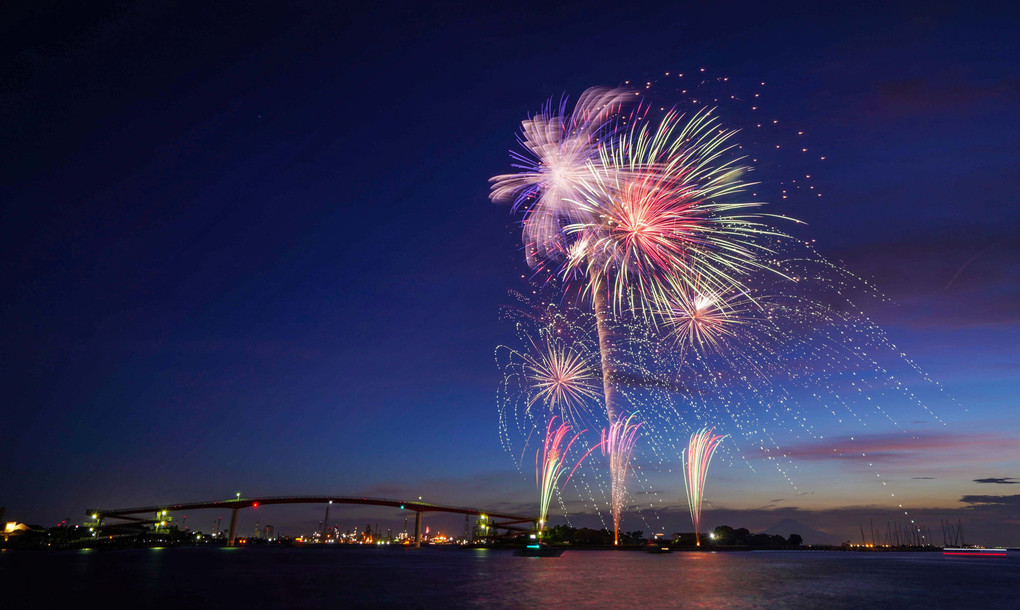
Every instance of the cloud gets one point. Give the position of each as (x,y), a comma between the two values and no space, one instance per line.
(893,448)
(1010,501)
(998,481)
(942,278)
(649,492)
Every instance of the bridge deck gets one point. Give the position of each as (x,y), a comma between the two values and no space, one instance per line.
(417,506)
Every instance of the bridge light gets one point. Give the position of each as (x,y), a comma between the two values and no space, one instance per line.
(401,507)
(255,505)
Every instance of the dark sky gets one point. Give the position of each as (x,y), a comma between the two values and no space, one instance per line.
(249,247)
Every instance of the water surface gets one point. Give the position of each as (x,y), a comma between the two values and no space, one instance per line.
(337,577)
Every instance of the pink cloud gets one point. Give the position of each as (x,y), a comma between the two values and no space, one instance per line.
(894,447)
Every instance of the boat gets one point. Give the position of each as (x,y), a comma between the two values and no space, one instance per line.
(973,551)
(539,550)
(657,547)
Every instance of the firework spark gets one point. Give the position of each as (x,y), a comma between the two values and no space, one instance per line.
(618,443)
(696,459)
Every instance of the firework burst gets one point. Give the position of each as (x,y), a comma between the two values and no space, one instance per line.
(631,214)
(697,319)
(560,148)
(561,378)
(655,213)
(555,371)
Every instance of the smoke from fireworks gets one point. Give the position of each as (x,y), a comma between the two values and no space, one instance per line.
(696,459)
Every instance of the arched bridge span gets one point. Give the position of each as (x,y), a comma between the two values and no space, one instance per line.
(135,515)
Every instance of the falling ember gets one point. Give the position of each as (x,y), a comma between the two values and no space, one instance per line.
(618,443)
(696,459)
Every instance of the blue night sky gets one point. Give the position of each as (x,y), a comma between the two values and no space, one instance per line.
(249,247)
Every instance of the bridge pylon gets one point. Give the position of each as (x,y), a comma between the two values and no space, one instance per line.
(233,527)
(417,529)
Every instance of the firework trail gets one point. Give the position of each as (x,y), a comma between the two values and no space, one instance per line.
(696,459)
(618,443)
(550,464)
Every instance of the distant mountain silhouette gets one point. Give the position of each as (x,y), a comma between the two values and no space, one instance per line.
(810,535)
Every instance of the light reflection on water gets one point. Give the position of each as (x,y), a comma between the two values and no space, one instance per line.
(273,577)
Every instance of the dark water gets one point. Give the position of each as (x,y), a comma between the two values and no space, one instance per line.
(273,577)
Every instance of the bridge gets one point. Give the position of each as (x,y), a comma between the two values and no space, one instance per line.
(137,516)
